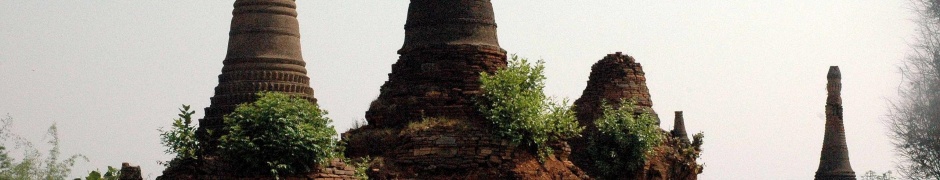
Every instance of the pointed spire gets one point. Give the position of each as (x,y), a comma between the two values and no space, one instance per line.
(834,161)
(678,129)
(450,22)
(263,55)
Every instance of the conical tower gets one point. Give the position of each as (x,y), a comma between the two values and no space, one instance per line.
(614,78)
(263,55)
(448,43)
(834,162)
(678,129)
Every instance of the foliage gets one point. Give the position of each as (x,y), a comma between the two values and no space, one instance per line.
(181,138)
(872,175)
(362,166)
(914,119)
(623,141)
(513,102)
(280,133)
(696,146)
(32,166)
(111,174)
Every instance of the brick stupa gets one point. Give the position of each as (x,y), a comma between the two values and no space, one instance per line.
(448,43)
(678,128)
(263,55)
(834,161)
(424,124)
(614,78)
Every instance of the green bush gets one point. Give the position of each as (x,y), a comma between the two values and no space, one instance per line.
(513,102)
(278,133)
(623,140)
(181,138)
(32,165)
(111,174)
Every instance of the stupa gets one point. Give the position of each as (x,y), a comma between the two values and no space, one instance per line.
(263,55)
(448,43)
(678,128)
(834,161)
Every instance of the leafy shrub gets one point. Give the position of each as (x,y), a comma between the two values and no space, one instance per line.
(32,166)
(111,174)
(361,166)
(280,133)
(181,138)
(513,102)
(623,141)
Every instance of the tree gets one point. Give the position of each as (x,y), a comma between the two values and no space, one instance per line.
(914,120)
(32,166)
(519,111)
(872,175)
(278,134)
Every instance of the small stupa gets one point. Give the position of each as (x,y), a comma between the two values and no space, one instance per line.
(678,128)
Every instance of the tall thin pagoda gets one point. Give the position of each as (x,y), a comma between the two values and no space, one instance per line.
(834,161)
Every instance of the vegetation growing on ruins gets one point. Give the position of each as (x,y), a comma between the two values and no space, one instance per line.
(623,141)
(278,133)
(180,139)
(111,174)
(519,111)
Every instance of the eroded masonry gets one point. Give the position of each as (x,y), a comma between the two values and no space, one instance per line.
(834,159)
(424,124)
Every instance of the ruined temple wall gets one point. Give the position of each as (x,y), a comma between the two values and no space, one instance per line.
(439,81)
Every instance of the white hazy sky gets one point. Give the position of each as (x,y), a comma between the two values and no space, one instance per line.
(748,73)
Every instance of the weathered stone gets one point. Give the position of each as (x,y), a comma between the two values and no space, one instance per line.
(263,55)
(129,172)
(614,78)
(834,162)
(447,45)
(678,129)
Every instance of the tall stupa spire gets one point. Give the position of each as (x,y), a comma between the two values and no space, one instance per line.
(448,43)
(263,55)
(834,161)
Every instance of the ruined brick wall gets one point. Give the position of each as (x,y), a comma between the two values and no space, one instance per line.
(129,172)
(452,148)
(335,170)
(434,81)
(460,149)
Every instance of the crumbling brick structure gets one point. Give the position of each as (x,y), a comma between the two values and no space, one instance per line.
(448,43)
(619,77)
(678,128)
(263,55)
(616,77)
(834,162)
